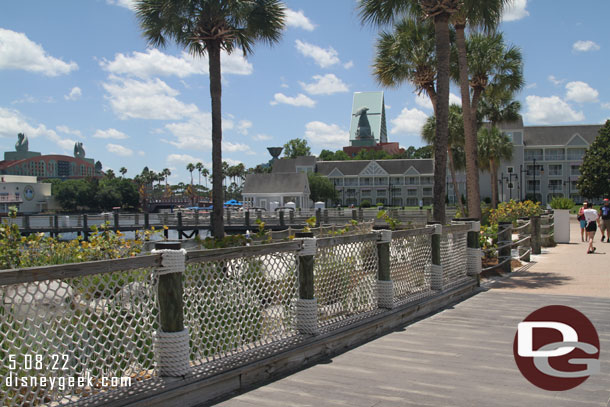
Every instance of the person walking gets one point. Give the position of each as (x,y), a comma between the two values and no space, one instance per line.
(604,221)
(591,217)
(582,221)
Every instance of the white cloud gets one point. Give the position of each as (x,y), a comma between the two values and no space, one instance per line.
(229,147)
(18,52)
(424,101)
(323,57)
(550,110)
(243,126)
(581,92)
(325,85)
(156,63)
(67,130)
(299,100)
(606,105)
(31,99)
(325,135)
(75,93)
(141,153)
(531,86)
(298,19)
(584,46)
(130,4)
(555,81)
(261,137)
(151,99)
(182,160)
(515,11)
(12,123)
(348,65)
(409,121)
(110,134)
(119,150)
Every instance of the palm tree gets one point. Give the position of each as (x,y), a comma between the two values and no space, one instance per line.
(407,55)
(205,172)
(381,12)
(199,167)
(477,14)
(454,147)
(190,168)
(208,27)
(166,173)
(493,148)
(123,171)
(110,174)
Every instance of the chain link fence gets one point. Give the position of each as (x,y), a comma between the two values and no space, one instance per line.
(453,254)
(410,259)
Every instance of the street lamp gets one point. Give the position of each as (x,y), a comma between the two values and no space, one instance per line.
(521,172)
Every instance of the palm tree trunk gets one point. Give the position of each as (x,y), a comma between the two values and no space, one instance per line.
(470,136)
(218,229)
(494,183)
(454,181)
(441,31)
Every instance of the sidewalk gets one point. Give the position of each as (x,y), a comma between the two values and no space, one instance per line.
(563,270)
(463,355)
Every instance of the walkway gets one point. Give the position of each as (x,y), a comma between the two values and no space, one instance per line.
(462,356)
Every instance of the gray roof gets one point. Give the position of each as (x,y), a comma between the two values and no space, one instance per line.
(276,183)
(558,135)
(290,164)
(393,167)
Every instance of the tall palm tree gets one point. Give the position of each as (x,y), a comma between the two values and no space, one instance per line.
(209,27)
(190,167)
(493,148)
(123,171)
(199,167)
(205,172)
(166,173)
(407,55)
(455,145)
(381,12)
(477,14)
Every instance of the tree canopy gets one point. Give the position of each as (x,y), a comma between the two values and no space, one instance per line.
(321,188)
(594,181)
(296,148)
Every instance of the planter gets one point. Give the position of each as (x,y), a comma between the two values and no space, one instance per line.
(562,225)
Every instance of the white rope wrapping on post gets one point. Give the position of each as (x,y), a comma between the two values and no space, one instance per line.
(475,226)
(385,294)
(172,261)
(307,316)
(309,246)
(172,353)
(473,261)
(436,277)
(384,236)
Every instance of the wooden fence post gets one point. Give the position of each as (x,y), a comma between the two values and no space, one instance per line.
(307,305)
(474,250)
(354,214)
(179,226)
(86,227)
(26,221)
(146,221)
(505,236)
(525,248)
(318,216)
(436,268)
(535,233)
(116,222)
(281,215)
(172,339)
(385,286)
(325,216)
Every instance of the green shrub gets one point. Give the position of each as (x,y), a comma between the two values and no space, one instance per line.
(562,203)
(487,200)
(365,204)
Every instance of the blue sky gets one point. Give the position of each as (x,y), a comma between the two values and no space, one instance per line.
(81,71)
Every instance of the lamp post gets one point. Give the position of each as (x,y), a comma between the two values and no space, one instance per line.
(502,187)
(521,172)
(535,180)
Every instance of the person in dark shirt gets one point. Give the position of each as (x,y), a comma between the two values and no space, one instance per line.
(604,220)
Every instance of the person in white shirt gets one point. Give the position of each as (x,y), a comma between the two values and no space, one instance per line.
(591,217)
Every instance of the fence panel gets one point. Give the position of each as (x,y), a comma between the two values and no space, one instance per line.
(97,325)
(453,255)
(410,259)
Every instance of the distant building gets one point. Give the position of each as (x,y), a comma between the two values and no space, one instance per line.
(276,189)
(368,129)
(24,192)
(291,165)
(31,163)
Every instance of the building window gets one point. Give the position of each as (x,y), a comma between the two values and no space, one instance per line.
(531,154)
(366,181)
(555,185)
(509,135)
(554,154)
(381,181)
(531,172)
(382,192)
(427,180)
(427,191)
(411,192)
(576,153)
(555,170)
(533,186)
(397,180)
(337,181)
(412,181)
(575,170)
(351,181)
(365,193)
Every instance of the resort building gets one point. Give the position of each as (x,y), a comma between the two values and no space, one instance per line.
(25,193)
(270,191)
(31,163)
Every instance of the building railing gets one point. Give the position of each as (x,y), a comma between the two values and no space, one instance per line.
(176,313)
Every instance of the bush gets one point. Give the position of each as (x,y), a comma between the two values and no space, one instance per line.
(487,200)
(513,210)
(562,203)
(365,204)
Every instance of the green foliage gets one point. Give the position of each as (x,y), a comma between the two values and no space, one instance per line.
(226,241)
(96,195)
(562,203)
(339,155)
(392,223)
(488,238)
(513,210)
(365,203)
(595,168)
(296,148)
(371,155)
(321,188)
